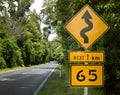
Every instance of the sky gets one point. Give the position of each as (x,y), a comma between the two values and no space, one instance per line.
(37,5)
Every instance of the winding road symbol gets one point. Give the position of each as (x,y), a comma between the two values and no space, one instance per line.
(87,18)
(86,27)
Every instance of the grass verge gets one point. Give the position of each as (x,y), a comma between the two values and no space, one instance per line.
(60,85)
(10,69)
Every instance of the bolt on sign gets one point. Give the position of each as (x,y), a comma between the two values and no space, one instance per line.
(86,26)
(86,56)
(87,75)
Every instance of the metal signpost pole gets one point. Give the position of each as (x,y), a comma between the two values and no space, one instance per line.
(86,91)
(86,88)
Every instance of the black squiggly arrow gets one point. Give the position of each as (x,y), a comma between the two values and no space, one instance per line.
(86,16)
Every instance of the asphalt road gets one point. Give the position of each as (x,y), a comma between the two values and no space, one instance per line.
(27,81)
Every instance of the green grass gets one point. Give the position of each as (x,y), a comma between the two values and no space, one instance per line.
(15,68)
(61,86)
(10,69)
(93,91)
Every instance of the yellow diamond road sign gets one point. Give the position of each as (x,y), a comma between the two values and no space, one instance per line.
(86,26)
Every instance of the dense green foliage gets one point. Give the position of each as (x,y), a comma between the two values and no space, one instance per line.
(21,41)
(58,12)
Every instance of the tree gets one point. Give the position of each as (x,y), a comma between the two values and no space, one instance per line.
(21,42)
(56,50)
(10,52)
(17,15)
(33,45)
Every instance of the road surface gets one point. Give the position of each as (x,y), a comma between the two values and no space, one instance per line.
(27,81)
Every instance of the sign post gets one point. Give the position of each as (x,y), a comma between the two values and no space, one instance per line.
(86,91)
(86,88)
(86,27)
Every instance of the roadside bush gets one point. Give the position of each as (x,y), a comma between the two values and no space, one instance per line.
(11,53)
(28,51)
(2,60)
(18,57)
(2,63)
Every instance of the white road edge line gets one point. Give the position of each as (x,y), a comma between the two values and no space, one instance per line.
(40,87)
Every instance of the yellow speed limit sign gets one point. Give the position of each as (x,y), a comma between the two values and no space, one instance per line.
(87,75)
